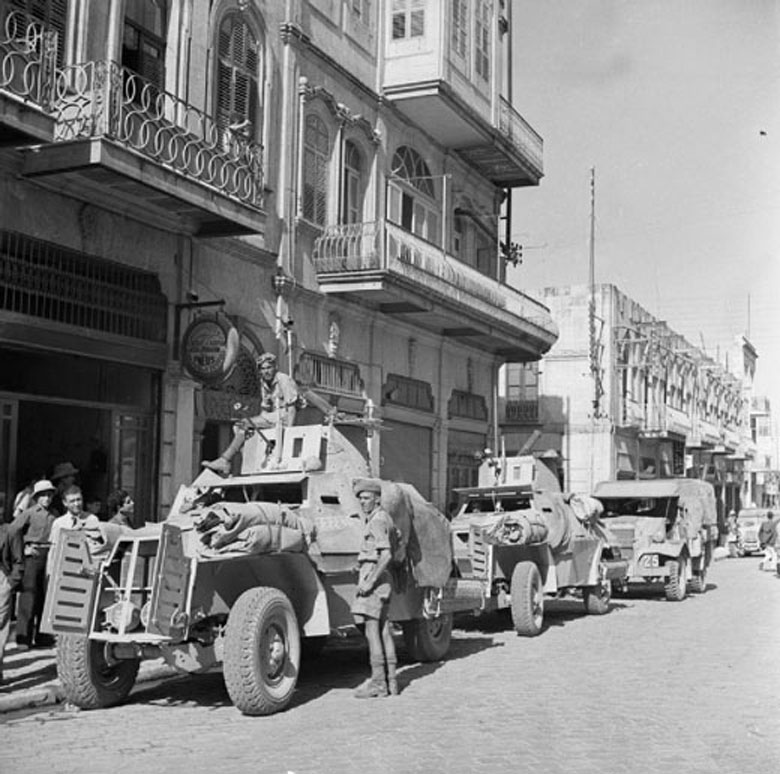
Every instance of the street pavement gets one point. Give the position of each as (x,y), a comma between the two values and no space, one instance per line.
(653,687)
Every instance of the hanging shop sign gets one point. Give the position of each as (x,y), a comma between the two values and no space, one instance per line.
(210,347)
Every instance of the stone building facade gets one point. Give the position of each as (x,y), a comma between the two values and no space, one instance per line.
(327,178)
(622,395)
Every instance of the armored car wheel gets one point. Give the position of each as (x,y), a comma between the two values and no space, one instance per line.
(428,639)
(675,582)
(527,599)
(262,651)
(90,679)
(597,598)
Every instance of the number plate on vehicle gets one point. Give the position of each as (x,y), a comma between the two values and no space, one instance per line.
(650,560)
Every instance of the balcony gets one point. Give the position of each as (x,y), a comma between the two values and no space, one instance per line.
(521,412)
(506,150)
(402,275)
(122,142)
(28,55)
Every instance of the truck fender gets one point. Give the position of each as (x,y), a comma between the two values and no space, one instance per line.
(221,581)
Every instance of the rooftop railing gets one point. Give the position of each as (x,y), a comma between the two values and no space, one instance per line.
(103,99)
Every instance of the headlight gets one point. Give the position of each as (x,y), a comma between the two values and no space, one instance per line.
(659,536)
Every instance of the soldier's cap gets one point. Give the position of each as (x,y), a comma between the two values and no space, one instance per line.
(367,485)
(266,357)
(39,487)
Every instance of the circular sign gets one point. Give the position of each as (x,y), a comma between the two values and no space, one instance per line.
(210,348)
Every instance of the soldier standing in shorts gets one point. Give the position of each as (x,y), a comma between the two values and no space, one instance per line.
(372,598)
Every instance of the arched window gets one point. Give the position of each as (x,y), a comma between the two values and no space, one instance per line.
(352,195)
(316,150)
(239,76)
(411,201)
(143,39)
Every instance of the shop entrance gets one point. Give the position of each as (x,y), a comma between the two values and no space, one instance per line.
(96,415)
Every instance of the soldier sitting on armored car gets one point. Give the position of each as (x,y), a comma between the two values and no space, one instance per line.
(279,400)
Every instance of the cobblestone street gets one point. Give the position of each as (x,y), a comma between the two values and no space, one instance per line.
(652,687)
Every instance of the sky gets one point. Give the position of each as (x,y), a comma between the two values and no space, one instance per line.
(676,104)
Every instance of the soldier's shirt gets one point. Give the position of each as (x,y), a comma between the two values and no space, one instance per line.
(283,390)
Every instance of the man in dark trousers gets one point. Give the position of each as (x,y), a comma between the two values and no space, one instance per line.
(372,598)
(11,568)
(34,526)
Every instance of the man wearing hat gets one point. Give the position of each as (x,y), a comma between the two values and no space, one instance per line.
(63,477)
(34,527)
(278,400)
(372,597)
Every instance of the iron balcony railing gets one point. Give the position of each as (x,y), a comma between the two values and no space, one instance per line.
(329,374)
(520,134)
(385,246)
(103,99)
(28,57)
(521,410)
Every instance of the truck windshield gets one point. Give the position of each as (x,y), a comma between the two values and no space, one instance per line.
(660,507)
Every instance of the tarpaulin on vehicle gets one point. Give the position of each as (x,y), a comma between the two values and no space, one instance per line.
(252,528)
(426,530)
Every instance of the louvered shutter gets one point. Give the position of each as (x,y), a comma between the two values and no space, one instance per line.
(238,55)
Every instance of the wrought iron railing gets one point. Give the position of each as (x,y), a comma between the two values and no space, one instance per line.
(329,374)
(467,405)
(44,280)
(520,133)
(28,57)
(521,411)
(103,99)
(405,391)
(385,246)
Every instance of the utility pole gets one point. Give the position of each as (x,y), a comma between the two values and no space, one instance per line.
(592,323)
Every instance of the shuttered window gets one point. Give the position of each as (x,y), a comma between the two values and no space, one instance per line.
(239,62)
(52,14)
(482,39)
(316,149)
(352,204)
(143,39)
(460,28)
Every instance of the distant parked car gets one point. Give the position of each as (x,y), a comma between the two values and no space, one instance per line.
(748,523)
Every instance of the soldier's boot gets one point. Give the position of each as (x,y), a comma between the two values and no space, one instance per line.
(392,681)
(375,687)
(222,465)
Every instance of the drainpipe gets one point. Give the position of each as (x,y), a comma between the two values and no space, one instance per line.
(114,27)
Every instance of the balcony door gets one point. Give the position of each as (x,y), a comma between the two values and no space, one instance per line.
(143,39)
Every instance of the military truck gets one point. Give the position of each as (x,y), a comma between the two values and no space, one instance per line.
(666,528)
(517,538)
(245,572)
